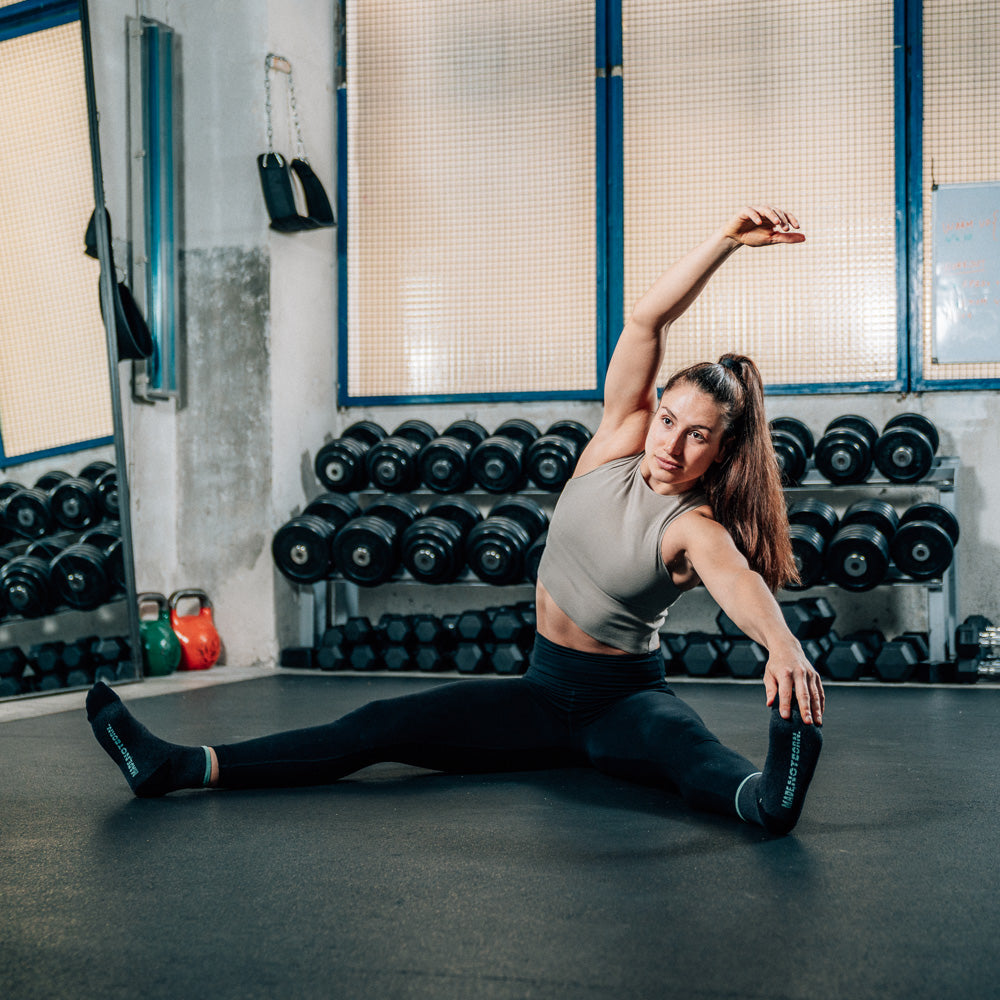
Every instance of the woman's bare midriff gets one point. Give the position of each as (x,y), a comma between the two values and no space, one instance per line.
(555,625)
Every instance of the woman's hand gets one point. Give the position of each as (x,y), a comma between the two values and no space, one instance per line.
(789,673)
(762,225)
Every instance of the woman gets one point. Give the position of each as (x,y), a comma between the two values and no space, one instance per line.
(665,495)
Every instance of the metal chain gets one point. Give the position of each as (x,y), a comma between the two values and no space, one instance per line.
(293,111)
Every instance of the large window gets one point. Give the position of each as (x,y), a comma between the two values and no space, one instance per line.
(54,393)
(508,197)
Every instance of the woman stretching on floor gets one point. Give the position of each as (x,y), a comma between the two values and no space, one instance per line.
(665,495)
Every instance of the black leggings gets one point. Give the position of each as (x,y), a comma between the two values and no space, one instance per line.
(615,713)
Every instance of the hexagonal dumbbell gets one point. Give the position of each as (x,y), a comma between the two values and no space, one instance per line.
(705,655)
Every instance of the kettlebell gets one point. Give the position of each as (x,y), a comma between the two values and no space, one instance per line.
(161,649)
(199,640)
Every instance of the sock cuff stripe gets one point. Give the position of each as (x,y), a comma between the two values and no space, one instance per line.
(756,774)
(208,767)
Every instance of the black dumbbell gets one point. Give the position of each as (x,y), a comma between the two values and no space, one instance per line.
(705,655)
(366,549)
(811,524)
(924,543)
(365,656)
(898,659)
(12,663)
(104,476)
(672,646)
(443,463)
(746,659)
(904,451)
(496,548)
(107,537)
(393,461)
(75,503)
(793,447)
(433,546)
(473,626)
(497,463)
(27,512)
(852,657)
(857,557)
(507,658)
(844,453)
(551,458)
(470,658)
(331,654)
(340,464)
(80,577)
(47,667)
(302,547)
(533,557)
(822,614)
(26,587)
(513,625)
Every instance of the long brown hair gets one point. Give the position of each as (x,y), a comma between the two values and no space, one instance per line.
(744,488)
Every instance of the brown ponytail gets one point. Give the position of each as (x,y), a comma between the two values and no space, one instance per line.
(744,489)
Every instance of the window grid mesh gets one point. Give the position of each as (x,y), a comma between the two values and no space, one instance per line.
(789,103)
(54,389)
(961,123)
(471,197)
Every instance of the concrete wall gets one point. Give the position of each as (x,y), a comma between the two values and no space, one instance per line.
(213,479)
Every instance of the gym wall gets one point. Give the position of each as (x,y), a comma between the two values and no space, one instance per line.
(212,481)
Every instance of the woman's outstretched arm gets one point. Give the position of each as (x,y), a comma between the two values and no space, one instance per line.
(630,383)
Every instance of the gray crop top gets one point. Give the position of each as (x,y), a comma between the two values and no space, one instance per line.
(602,562)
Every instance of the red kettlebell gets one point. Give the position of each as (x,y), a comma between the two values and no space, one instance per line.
(200,643)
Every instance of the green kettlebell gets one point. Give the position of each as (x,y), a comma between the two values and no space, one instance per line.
(161,649)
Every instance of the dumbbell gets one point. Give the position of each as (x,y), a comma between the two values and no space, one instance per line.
(924,543)
(340,464)
(302,548)
(78,662)
(844,453)
(852,657)
(904,451)
(107,537)
(331,653)
(393,462)
(443,464)
(807,618)
(811,524)
(507,658)
(533,557)
(899,658)
(672,646)
(793,447)
(80,577)
(45,659)
(969,647)
(26,587)
(705,655)
(434,640)
(513,624)
(75,503)
(470,658)
(433,546)
(497,463)
(12,662)
(104,476)
(366,549)
(857,557)
(27,511)
(551,458)
(495,549)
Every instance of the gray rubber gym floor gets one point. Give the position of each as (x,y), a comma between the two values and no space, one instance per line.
(560,884)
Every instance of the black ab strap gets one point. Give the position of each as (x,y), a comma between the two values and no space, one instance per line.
(276,172)
(276,183)
(132,335)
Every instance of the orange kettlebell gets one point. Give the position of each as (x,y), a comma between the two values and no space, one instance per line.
(200,643)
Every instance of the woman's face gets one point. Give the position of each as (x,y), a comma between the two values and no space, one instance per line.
(683,440)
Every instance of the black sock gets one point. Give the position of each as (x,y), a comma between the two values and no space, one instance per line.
(791,760)
(151,766)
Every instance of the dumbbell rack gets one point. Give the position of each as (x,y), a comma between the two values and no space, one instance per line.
(942,594)
(335,600)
